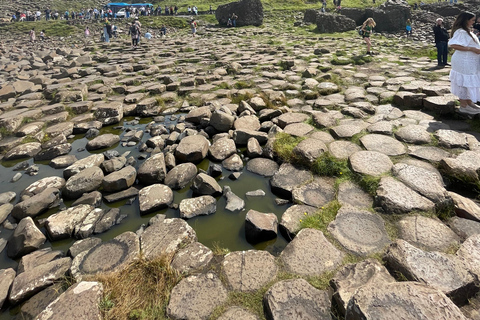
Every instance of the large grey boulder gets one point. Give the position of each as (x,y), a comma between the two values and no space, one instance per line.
(42,184)
(330,23)
(87,180)
(28,283)
(37,204)
(6,281)
(310,254)
(154,197)
(194,257)
(250,270)
(464,228)
(446,273)
(87,226)
(62,224)
(204,184)
(222,149)
(26,150)
(354,276)
(233,163)
(262,166)
(119,180)
(465,207)
(95,160)
(390,16)
(38,257)
(464,166)
(192,149)
(108,256)
(5,210)
(222,120)
(153,170)
(104,141)
(249,12)
(166,237)
(260,226)
(296,299)
(196,297)
(405,300)
(81,298)
(109,113)
(36,304)
(93,198)
(359,231)
(287,178)
(108,220)
(198,206)
(25,239)
(180,176)
(309,150)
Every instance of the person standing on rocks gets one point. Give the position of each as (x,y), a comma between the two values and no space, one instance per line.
(465,73)
(367,29)
(441,42)
(193,26)
(408,27)
(234,19)
(32,35)
(134,32)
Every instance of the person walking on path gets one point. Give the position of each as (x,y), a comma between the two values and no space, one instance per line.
(134,32)
(32,35)
(367,29)
(441,42)
(193,26)
(408,28)
(465,73)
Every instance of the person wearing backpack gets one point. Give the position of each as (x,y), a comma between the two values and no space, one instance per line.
(367,29)
(134,32)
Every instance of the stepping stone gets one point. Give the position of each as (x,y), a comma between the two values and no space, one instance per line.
(407,300)
(427,233)
(464,228)
(343,149)
(464,167)
(370,163)
(262,166)
(119,180)
(87,180)
(309,150)
(61,225)
(241,136)
(423,181)
(310,254)
(248,271)
(109,113)
(196,297)
(396,198)
(36,304)
(292,219)
(235,313)
(104,141)
(203,205)
(317,193)
(352,195)
(326,119)
(298,129)
(28,283)
(469,254)
(26,150)
(131,192)
(345,131)
(383,144)
(451,139)
(113,255)
(194,257)
(296,298)
(413,134)
(360,232)
(260,227)
(445,272)
(381,127)
(63,161)
(82,298)
(351,277)
(36,204)
(154,198)
(83,245)
(246,122)
(441,104)
(287,178)
(323,136)
(432,154)
(291,117)
(166,237)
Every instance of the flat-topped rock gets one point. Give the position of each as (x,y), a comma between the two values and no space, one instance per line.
(352,195)
(154,197)
(310,254)
(451,139)
(26,150)
(196,297)
(291,117)
(234,313)
(61,225)
(166,237)
(262,166)
(260,226)
(468,253)
(395,197)
(291,219)
(203,205)
(414,134)
(445,272)
(104,141)
(296,299)
(89,179)
(383,144)
(359,231)
(36,204)
(298,129)
(370,163)
(192,149)
(405,300)
(432,154)
(317,193)
(195,257)
(465,207)
(343,149)
(250,270)
(93,160)
(464,166)
(309,150)
(222,149)
(351,277)
(345,131)
(287,178)
(427,233)
(25,239)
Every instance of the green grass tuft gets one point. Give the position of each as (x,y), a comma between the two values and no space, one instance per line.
(284,144)
(322,218)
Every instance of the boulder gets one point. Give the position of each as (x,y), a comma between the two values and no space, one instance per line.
(38,257)
(25,239)
(119,180)
(42,184)
(290,223)
(104,141)
(199,206)
(109,113)
(260,226)
(469,254)
(62,224)
(108,220)
(36,304)
(249,12)
(390,16)
(83,245)
(194,257)
(87,180)
(154,197)
(234,202)
(222,149)
(233,163)
(181,175)
(203,184)
(86,227)
(287,178)
(262,166)
(26,150)
(36,204)
(93,198)
(331,22)
(6,281)
(95,160)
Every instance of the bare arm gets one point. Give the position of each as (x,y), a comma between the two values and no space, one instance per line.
(462,48)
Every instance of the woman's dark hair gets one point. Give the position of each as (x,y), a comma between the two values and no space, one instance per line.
(461,22)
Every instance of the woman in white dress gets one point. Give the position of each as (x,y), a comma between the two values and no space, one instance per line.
(465,73)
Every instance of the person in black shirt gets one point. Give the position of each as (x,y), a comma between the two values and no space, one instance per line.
(441,42)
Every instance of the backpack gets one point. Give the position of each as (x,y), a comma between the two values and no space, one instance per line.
(360,31)
(134,30)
